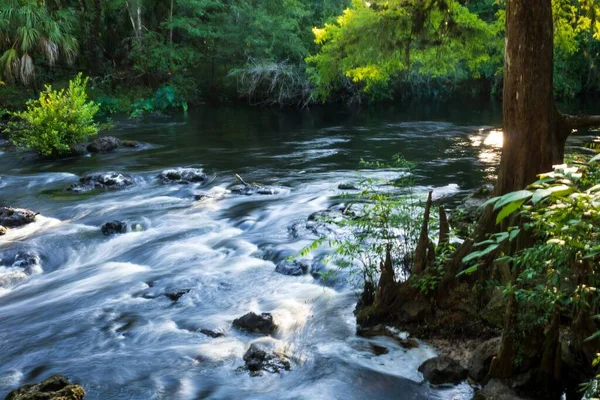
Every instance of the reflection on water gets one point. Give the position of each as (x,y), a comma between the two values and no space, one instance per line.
(97,309)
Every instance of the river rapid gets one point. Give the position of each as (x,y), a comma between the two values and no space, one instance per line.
(95,310)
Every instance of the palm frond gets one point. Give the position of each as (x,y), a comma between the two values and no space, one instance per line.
(27,69)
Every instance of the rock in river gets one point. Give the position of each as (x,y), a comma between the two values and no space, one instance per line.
(3,230)
(249,190)
(259,359)
(102,180)
(104,144)
(57,387)
(114,227)
(443,369)
(182,175)
(252,322)
(15,217)
(293,268)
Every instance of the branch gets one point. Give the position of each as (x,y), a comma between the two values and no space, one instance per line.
(582,121)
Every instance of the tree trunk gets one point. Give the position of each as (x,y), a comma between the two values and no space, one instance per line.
(534,131)
(96,53)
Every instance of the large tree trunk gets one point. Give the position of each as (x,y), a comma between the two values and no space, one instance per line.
(534,130)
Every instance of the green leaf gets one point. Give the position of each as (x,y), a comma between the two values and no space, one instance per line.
(540,195)
(513,234)
(594,336)
(513,197)
(468,271)
(490,201)
(478,254)
(509,209)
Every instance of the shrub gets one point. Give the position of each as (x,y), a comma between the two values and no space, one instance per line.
(57,120)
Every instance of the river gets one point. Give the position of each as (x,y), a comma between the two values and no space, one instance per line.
(94,311)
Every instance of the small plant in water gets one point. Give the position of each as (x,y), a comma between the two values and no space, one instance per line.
(384,215)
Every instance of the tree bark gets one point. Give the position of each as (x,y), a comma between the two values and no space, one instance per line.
(534,131)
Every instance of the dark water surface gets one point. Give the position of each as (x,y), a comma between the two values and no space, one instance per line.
(94,311)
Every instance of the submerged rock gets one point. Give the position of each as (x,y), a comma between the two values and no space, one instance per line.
(102,180)
(29,262)
(57,387)
(176,295)
(104,144)
(114,227)
(250,190)
(347,186)
(293,268)
(211,333)
(442,370)
(259,359)
(16,217)
(252,322)
(182,175)
(17,268)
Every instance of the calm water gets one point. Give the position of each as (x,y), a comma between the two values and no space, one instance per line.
(90,314)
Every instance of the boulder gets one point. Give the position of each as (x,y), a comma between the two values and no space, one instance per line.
(442,370)
(102,180)
(76,150)
(259,359)
(57,387)
(16,217)
(293,268)
(104,144)
(114,227)
(481,358)
(252,322)
(3,230)
(182,175)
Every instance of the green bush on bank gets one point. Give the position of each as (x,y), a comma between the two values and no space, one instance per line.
(56,120)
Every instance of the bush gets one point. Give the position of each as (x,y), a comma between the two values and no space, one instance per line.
(57,120)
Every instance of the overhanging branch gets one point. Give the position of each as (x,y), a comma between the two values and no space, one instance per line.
(581,121)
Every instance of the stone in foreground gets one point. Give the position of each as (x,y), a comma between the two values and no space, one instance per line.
(57,387)
(442,370)
(16,217)
(252,322)
(258,359)
(114,227)
(293,268)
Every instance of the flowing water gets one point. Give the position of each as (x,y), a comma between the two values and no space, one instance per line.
(95,312)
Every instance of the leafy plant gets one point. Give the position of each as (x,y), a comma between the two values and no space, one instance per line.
(55,121)
(554,252)
(384,216)
(163,99)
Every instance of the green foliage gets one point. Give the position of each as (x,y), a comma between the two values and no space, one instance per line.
(385,215)
(31,32)
(163,100)
(55,121)
(376,43)
(555,251)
